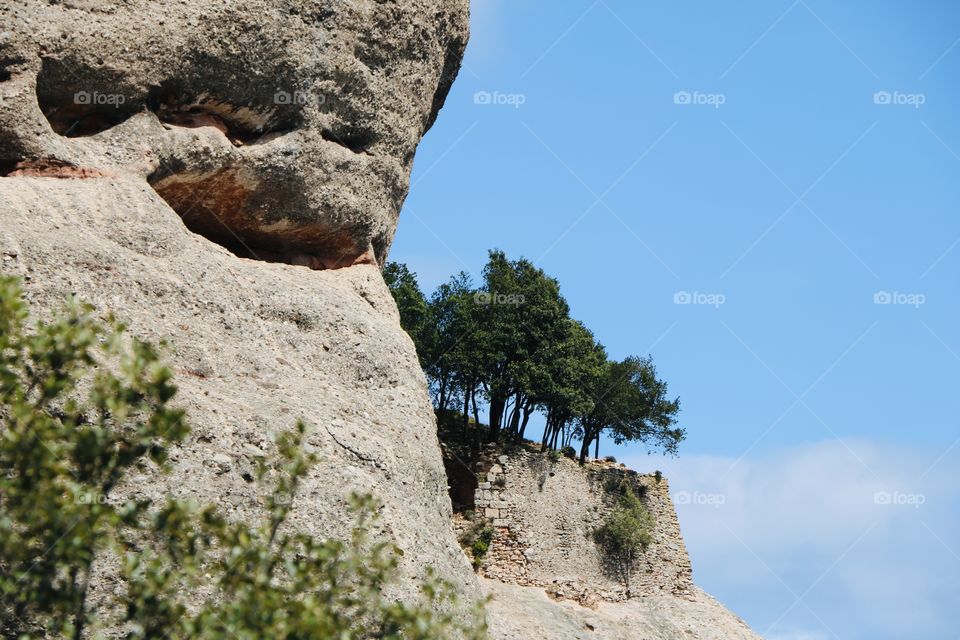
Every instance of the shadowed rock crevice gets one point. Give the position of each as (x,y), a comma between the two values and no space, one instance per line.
(215,205)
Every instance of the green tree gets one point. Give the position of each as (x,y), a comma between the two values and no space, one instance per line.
(624,535)
(564,393)
(414,311)
(83,404)
(524,319)
(631,405)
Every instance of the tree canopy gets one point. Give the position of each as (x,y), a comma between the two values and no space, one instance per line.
(508,344)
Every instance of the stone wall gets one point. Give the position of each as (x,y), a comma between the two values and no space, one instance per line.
(544,512)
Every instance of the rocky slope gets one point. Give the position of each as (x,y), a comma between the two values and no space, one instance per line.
(544,512)
(203,170)
(519,613)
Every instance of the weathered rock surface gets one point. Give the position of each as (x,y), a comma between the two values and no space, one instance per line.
(149,147)
(544,513)
(254,347)
(520,613)
(284,130)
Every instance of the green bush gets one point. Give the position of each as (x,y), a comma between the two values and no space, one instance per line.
(626,533)
(477,539)
(610,459)
(83,404)
(569,452)
(554,455)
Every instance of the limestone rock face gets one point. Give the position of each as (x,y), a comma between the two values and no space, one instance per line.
(519,613)
(544,513)
(282,129)
(254,346)
(279,129)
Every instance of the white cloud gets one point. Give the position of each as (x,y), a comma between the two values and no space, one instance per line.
(866,532)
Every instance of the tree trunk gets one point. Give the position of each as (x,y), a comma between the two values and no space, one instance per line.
(523,423)
(596,451)
(515,415)
(442,395)
(497,403)
(584,450)
(476,412)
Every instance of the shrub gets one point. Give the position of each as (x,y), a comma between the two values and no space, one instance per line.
(569,452)
(81,405)
(657,476)
(610,458)
(626,533)
(554,455)
(477,539)
(481,544)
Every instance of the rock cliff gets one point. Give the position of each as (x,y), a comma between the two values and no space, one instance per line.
(544,511)
(225,176)
(544,574)
(146,145)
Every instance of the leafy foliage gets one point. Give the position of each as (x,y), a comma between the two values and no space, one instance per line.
(509,344)
(478,538)
(83,405)
(625,534)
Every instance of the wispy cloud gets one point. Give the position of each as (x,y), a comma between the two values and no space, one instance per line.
(803,541)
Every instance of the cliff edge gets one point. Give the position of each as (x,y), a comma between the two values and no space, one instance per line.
(225,176)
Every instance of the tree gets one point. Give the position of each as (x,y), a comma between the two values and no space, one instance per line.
(524,320)
(511,342)
(82,404)
(630,403)
(564,393)
(624,535)
(414,310)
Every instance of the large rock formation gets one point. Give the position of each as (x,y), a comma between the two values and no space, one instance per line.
(545,576)
(544,512)
(191,166)
(282,130)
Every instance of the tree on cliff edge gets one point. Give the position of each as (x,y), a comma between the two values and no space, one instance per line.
(511,342)
(631,405)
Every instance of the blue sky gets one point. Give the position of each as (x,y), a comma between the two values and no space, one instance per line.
(789,169)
